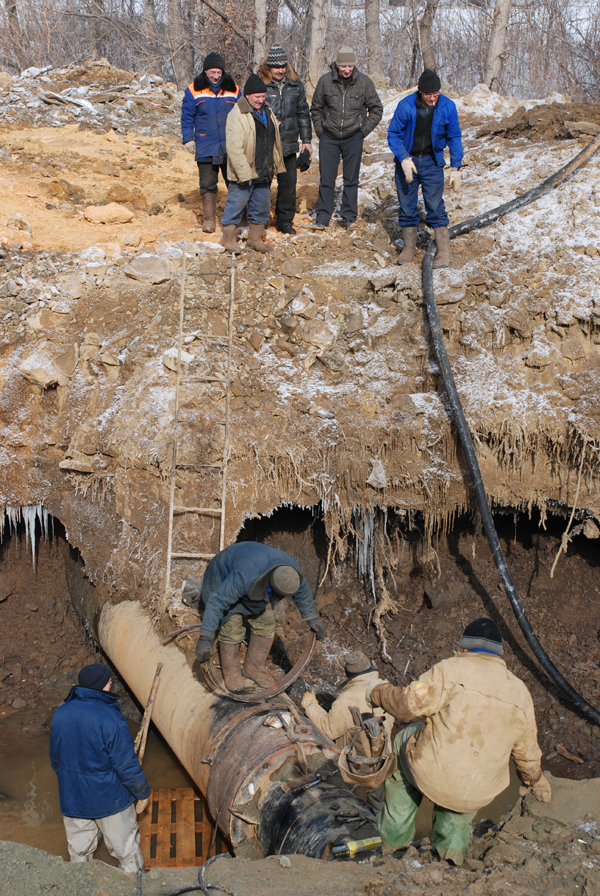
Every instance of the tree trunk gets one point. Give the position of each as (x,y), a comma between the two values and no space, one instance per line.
(14,33)
(373,37)
(153,55)
(260,32)
(272,15)
(497,46)
(181,30)
(425,26)
(316,47)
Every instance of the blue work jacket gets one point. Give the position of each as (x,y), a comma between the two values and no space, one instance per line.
(445,130)
(237,581)
(204,115)
(92,753)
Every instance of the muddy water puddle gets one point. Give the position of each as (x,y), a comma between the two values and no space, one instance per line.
(29,806)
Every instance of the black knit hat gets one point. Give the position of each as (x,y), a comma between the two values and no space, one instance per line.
(277,57)
(94,676)
(213,60)
(483,634)
(254,84)
(429,81)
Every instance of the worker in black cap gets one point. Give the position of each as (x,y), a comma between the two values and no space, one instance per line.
(478,716)
(424,124)
(206,104)
(101,784)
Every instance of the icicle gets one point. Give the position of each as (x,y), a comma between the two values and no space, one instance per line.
(364,526)
(29,514)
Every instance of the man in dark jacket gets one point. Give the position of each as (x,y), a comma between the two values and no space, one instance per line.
(237,584)
(345,109)
(206,104)
(424,123)
(99,775)
(287,98)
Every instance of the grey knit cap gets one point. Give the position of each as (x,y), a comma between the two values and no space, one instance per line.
(285,580)
(482,634)
(277,57)
(345,56)
(357,662)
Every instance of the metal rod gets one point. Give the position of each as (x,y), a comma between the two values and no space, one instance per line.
(142,735)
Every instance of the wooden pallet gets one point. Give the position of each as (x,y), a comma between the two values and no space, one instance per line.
(176,830)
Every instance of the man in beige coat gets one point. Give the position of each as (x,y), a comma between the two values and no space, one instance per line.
(254,156)
(478,716)
(337,724)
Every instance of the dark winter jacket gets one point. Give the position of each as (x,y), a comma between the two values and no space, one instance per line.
(445,130)
(344,111)
(287,99)
(237,581)
(92,753)
(204,114)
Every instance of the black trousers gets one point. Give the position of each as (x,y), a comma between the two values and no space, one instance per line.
(330,150)
(208,175)
(285,206)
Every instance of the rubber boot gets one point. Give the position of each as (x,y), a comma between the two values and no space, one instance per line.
(209,206)
(255,238)
(231,666)
(409,236)
(256,657)
(228,240)
(443,255)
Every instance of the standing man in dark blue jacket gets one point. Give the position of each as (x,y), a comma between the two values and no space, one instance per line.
(424,123)
(206,104)
(99,775)
(237,584)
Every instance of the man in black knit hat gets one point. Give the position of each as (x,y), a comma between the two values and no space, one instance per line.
(478,716)
(424,123)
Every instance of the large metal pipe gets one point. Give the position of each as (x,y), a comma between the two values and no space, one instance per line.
(238,755)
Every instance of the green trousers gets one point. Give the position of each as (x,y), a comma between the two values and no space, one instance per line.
(451,831)
(233,631)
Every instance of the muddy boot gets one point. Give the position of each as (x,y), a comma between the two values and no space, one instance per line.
(256,657)
(443,256)
(255,238)
(409,236)
(231,667)
(209,205)
(228,240)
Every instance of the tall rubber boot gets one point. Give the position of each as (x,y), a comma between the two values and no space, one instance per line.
(228,240)
(409,236)
(255,238)
(209,206)
(231,666)
(443,255)
(256,657)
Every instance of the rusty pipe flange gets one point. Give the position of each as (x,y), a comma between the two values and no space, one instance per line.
(275,689)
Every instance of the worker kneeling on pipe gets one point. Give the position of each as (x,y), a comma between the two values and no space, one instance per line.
(477,716)
(237,585)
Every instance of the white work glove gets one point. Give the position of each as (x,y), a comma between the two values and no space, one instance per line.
(371,687)
(409,168)
(140,805)
(190,146)
(455,179)
(307,698)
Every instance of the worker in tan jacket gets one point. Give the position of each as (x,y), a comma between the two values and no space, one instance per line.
(337,723)
(478,716)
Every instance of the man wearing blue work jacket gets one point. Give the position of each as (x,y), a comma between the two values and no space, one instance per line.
(424,123)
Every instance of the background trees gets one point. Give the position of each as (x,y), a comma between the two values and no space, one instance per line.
(528,48)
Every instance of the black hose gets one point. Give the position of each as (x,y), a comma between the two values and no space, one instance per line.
(464,434)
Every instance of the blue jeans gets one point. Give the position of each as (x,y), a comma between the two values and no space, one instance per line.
(256,196)
(431,178)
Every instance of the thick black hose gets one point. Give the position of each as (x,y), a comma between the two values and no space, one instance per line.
(462,427)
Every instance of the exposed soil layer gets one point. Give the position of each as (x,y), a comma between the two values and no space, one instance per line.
(554,121)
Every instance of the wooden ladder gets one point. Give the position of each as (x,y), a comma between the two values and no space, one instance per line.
(176,509)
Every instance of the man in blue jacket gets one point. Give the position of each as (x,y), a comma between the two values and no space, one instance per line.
(206,104)
(237,584)
(99,775)
(424,123)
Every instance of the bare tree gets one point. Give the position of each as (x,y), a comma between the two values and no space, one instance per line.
(181,33)
(425,39)
(316,33)
(272,15)
(260,32)
(373,29)
(496,54)
(14,31)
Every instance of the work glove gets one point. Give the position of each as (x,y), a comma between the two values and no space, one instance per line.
(317,626)
(307,698)
(190,146)
(409,168)
(371,687)
(140,805)
(303,162)
(455,179)
(205,648)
